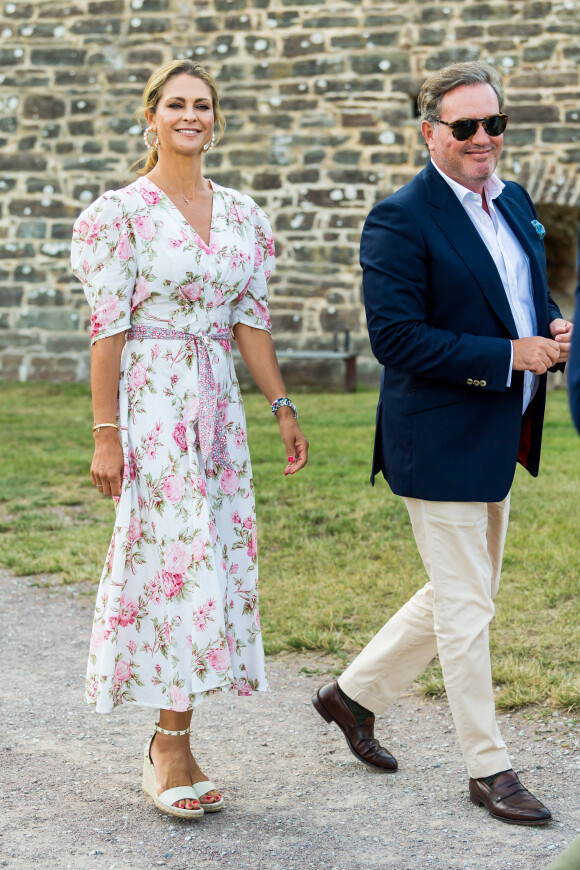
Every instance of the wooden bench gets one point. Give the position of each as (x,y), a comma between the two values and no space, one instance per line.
(349,357)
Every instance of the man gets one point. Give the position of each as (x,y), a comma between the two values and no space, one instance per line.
(574,367)
(460,316)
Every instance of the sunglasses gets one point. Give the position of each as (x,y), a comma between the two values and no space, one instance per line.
(465,128)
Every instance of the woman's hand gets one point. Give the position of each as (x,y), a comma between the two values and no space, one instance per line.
(108,462)
(294,441)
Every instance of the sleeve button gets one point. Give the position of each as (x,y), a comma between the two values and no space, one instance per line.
(476,383)
(469,381)
(483,383)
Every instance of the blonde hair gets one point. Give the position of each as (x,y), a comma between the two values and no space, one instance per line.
(453,76)
(154,89)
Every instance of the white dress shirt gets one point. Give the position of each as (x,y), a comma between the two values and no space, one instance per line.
(510,259)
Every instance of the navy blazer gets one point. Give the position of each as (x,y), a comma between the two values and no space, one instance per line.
(448,428)
(574,367)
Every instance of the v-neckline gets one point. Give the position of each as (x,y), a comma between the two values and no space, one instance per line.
(201,241)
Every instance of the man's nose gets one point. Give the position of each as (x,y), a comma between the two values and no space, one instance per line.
(480,137)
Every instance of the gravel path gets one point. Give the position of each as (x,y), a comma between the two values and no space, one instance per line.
(296,798)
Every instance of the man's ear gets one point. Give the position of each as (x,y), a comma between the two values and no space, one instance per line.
(428,131)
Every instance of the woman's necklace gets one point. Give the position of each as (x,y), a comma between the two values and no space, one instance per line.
(178,193)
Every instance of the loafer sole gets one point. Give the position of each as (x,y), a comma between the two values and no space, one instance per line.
(328,717)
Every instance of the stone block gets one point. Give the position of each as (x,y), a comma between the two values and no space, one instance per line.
(488,11)
(389,157)
(106,7)
(432,36)
(295,221)
(266,70)
(316,155)
(319,66)
(44,296)
(546,80)
(10,296)
(247,158)
(18,10)
(52,56)
(561,134)
(10,362)
(267,181)
(351,176)
(356,118)
(390,62)
(286,322)
(57,368)
(517,29)
(468,32)
(29,273)
(571,155)
(535,114)
(43,106)
(25,78)
(27,143)
(539,10)
(283,19)
(304,176)
(543,51)
(436,13)
(16,251)
(44,208)
(93,26)
(230,5)
(346,157)
(350,42)
(149,25)
(8,124)
(338,319)
(456,54)
(573,116)
(298,45)
(31,230)
(53,318)
(521,136)
(68,344)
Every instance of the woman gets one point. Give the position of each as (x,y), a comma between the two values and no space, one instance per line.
(172,264)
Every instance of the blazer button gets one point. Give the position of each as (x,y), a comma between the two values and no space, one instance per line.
(483,383)
(469,381)
(476,383)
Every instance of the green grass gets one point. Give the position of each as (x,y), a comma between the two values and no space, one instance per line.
(337,556)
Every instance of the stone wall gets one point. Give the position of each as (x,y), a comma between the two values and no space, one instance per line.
(320,102)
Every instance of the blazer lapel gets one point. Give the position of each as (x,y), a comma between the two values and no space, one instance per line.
(457,227)
(520,223)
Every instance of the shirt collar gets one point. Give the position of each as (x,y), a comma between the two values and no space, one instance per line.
(493,187)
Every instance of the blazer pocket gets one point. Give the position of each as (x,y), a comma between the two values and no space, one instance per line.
(436,397)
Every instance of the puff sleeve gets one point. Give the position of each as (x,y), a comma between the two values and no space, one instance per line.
(251,306)
(103,259)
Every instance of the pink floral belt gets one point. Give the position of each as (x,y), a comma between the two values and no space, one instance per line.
(212,436)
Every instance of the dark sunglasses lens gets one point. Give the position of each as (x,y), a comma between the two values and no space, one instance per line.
(495,125)
(463,130)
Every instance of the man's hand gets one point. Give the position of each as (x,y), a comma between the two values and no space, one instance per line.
(535,354)
(561,331)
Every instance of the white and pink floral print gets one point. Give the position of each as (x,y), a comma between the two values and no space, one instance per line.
(176,617)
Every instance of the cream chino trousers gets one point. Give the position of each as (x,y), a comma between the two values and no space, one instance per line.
(461,545)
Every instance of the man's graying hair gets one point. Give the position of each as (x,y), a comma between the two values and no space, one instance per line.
(444,80)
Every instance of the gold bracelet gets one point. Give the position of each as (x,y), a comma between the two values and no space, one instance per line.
(105,426)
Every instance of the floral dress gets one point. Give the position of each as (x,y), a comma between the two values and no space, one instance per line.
(176,617)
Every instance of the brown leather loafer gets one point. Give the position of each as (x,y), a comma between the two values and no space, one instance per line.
(508,800)
(360,738)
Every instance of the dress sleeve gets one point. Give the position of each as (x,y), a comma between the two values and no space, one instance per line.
(103,259)
(251,306)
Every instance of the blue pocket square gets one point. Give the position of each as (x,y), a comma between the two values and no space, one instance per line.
(539,228)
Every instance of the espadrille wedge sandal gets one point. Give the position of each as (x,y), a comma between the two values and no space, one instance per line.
(201,789)
(166,800)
